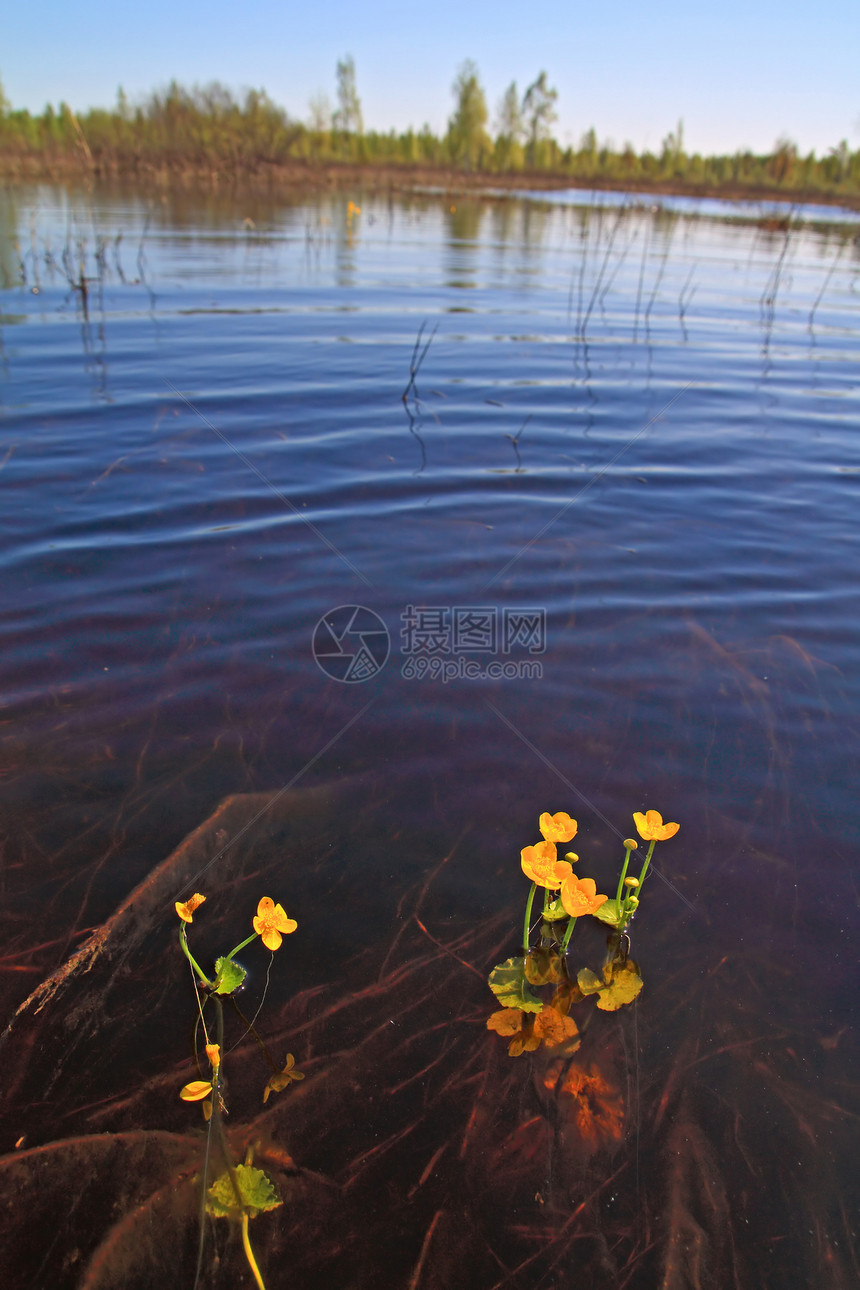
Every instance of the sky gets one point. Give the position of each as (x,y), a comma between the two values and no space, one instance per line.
(740,74)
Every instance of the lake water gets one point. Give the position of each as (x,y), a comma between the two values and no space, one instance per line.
(597,554)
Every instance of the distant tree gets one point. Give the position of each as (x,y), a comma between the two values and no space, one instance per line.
(510,131)
(673,147)
(319,113)
(588,143)
(348,118)
(782,162)
(538,113)
(509,116)
(468,141)
(842,158)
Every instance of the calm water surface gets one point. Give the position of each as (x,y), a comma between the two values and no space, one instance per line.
(611,532)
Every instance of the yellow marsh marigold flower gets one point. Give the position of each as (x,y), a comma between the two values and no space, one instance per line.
(186,911)
(650,826)
(579,896)
(213,1052)
(541,864)
(281,1079)
(196,1090)
(271,921)
(557,828)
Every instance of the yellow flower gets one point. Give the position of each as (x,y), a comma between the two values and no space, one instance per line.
(541,864)
(579,896)
(186,911)
(281,1079)
(557,828)
(650,826)
(196,1090)
(213,1052)
(271,921)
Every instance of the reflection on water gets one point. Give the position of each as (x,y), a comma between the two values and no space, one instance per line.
(637,421)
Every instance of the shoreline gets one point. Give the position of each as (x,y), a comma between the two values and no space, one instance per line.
(333,176)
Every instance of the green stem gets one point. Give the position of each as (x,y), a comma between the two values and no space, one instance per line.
(217,1115)
(528,921)
(627,854)
(567,936)
(204,980)
(647,862)
(249,1253)
(241,946)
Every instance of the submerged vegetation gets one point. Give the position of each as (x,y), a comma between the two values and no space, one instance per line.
(209,131)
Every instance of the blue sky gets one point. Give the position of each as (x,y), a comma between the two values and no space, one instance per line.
(739,74)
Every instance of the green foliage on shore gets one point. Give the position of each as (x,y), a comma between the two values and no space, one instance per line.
(209,130)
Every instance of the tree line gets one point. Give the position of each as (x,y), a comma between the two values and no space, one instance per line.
(209,129)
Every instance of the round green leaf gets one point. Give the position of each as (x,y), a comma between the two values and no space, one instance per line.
(255,1188)
(608,913)
(508,983)
(229,976)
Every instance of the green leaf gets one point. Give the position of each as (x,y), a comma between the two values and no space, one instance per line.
(255,1188)
(622,987)
(229,976)
(554,912)
(619,985)
(588,981)
(608,913)
(508,983)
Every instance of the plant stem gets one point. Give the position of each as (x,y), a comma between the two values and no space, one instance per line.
(527,924)
(204,980)
(568,935)
(627,855)
(647,861)
(249,1253)
(242,944)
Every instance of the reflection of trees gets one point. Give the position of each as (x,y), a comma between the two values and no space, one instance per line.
(10,265)
(463,224)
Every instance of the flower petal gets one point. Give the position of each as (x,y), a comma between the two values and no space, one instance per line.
(651,828)
(579,896)
(557,828)
(539,863)
(196,1090)
(186,910)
